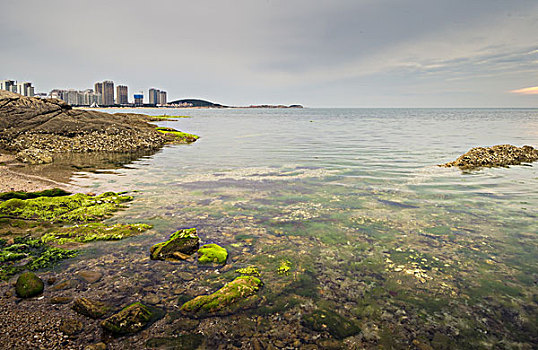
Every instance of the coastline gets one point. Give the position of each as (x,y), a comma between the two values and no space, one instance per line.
(13,179)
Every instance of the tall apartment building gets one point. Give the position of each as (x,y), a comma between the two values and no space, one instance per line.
(157,97)
(8,85)
(25,89)
(162,98)
(108,93)
(98,88)
(153,96)
(106,89)
(122,95)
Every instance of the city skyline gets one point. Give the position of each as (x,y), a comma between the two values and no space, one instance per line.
(340,53)
(101,95)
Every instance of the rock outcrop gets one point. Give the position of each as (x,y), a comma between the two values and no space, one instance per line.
(36,129)
(241,293)
(130,320)
(180,246)
(495,156)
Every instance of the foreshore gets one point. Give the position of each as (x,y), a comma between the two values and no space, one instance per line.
(14,178)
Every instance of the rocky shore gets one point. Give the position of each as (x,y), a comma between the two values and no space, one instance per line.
(38,129)
(495,156)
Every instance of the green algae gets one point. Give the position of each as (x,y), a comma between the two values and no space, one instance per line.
(29,254)
(54,192)
(284,267)
(178,136)
(93,232)
(249,271)
(212,254)
(179,246)
(76,208)
(167,117)
(235,295)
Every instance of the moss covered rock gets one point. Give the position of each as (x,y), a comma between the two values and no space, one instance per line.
(329,321)
(91,308)
(212,254)
(181,342)
(29,285)
(238,294)
(179,246)
(130,320)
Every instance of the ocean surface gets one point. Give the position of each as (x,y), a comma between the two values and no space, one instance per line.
(353,201)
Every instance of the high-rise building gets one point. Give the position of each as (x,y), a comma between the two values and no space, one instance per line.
(8,85)
(138,99)
(98,88)
(78,98)
(162,97)
(108,93)
(122,95)
(106,89)
(153,96)
(25,89)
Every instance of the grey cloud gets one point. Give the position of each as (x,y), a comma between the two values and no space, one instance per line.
(348,53)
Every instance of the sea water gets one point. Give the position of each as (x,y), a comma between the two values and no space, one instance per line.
(373,230)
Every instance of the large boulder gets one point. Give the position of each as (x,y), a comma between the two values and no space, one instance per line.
(91,308)
(327,320)
(29,285)
(180,246)
(238,294)
(130,320)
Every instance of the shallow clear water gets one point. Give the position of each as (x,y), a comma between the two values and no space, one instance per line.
(353,198)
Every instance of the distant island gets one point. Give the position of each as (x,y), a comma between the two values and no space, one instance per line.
(207,104)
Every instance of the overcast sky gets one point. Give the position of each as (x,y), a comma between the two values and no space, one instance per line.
(337,53)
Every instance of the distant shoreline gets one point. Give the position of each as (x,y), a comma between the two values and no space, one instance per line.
(191,107)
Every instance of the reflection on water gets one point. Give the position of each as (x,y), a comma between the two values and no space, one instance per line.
(415,255)
(65,164)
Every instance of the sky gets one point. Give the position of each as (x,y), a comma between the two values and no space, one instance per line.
(337,53)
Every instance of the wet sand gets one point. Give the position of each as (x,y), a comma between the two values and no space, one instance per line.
(15,176)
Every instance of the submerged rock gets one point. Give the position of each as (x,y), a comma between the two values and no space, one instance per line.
(71,326)
(34,155)
(495,156)
(130,320)
(182,342)
(29,285)
(235,295)
(179,246)
(326,320)
(90,308)
(212,253)
(90,276)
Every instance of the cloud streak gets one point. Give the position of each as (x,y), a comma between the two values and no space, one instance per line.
(526,91)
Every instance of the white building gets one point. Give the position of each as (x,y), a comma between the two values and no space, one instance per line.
(25,89)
